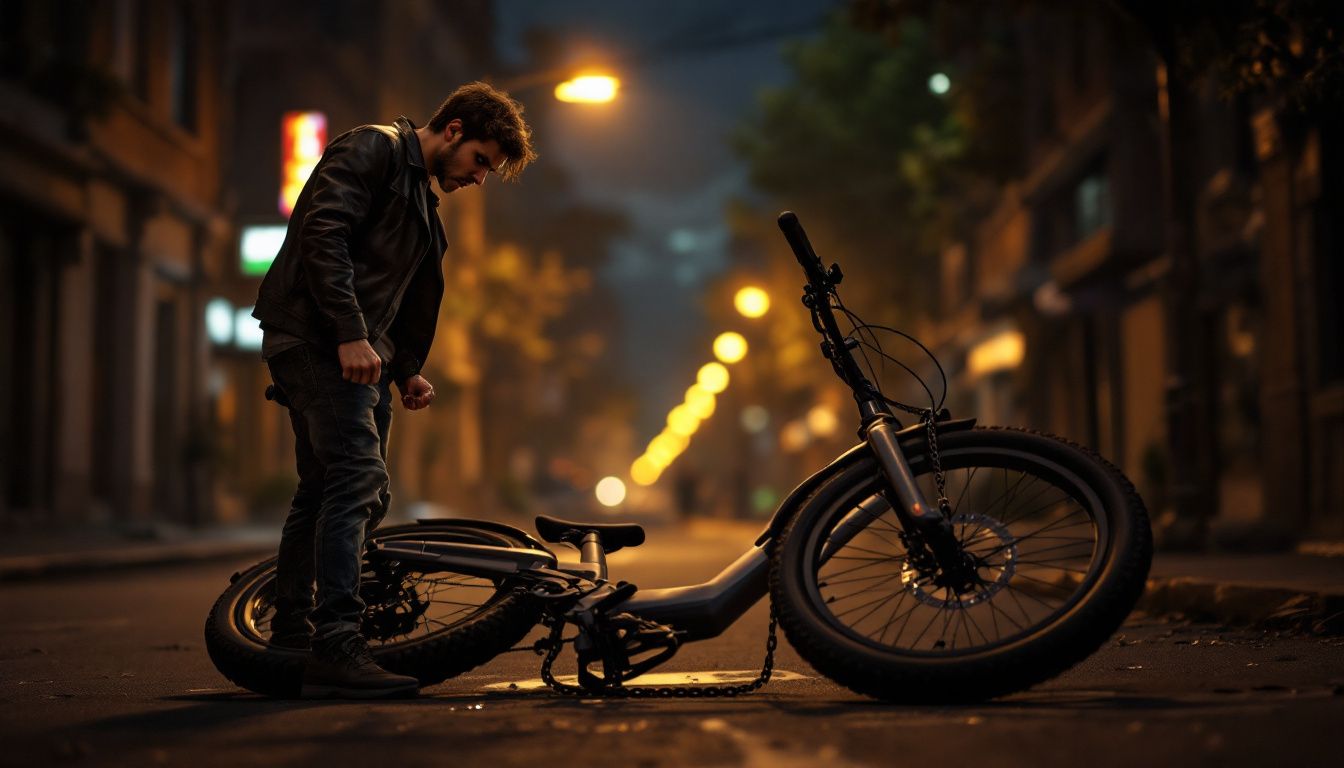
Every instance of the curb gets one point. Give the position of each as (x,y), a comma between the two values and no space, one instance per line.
(70,564)
(1246,605)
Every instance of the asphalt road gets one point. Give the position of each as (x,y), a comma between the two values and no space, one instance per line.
(112,670)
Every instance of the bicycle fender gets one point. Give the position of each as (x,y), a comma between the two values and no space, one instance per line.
(489,525)
(911,438)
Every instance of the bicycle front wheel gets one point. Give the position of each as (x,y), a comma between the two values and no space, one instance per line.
(1061,547)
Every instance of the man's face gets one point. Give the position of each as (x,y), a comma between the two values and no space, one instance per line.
(462,163)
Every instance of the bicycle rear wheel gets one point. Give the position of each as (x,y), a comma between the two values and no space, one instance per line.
(432,626)
(1062,547)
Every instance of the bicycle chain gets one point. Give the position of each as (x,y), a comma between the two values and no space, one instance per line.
(944,506)
(664,691)
(929,417)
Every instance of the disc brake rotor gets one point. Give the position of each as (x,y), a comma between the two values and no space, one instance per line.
(391,609)
(994,550)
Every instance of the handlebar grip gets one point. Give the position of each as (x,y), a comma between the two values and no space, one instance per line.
(802,248)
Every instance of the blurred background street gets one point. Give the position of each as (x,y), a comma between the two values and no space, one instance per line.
(1111,222)
(1118,222)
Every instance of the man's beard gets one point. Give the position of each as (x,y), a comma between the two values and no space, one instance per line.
(439,165)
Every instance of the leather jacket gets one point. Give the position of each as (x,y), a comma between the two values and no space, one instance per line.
(358,259)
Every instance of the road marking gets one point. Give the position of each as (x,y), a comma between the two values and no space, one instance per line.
(713,677)
(760,752)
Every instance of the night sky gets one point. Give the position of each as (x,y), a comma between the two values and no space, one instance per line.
(661,151)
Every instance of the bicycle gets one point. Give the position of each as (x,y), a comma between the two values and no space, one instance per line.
(1032,554)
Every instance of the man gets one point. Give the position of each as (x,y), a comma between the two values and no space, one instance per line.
(349,307)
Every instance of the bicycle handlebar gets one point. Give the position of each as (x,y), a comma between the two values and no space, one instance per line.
(802,248)
(821,289)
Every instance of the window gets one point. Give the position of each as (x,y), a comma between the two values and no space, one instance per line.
(183,68)
(1091,205)
(125,21)
(13,52)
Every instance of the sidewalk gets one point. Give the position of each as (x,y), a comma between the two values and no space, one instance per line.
(1289,590)
(34,556)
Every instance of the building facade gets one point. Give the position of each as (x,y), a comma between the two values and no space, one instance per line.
(138,141)
(112,217)
(1186,331)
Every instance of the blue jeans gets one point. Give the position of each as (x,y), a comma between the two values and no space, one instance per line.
(340,445)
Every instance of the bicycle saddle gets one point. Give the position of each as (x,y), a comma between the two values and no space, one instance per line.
(614,535)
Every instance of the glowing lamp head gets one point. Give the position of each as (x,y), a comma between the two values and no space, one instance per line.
(588,89)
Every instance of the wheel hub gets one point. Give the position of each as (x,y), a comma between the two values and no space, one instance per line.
(990,553)
(392,608)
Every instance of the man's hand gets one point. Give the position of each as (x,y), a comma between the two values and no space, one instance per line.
(359,363)
(416,393)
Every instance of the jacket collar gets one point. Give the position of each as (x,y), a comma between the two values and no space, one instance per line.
(415,156)
(415,186)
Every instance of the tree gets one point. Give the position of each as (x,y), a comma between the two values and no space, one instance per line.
(881,168)
(856,144)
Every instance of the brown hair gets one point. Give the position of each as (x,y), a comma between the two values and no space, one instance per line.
(489,113)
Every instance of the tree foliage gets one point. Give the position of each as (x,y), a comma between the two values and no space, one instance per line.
(880,168)
(1287,52)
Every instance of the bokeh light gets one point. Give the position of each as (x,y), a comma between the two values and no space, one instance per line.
(822,421)
(730,347)
(752,302)
(644,471)
(713,378)
(610,491)
(700,402)
(682,422)
(755,418)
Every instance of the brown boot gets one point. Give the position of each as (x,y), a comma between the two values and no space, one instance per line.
(344,668)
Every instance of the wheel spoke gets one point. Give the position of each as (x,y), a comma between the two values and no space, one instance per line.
(858,567)
(892,615)
(863,605)
(862,589)
(932,619)
(831,582)
(1051,567)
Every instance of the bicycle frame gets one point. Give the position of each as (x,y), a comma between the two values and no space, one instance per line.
(695,612)
(705,610)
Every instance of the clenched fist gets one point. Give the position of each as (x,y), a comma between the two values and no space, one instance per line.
(416,393)
(359,363)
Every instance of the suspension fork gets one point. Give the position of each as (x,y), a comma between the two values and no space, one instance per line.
(923,523)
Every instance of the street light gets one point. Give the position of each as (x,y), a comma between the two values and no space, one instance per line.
(730,347)
(712,377)
(588,89)
(644,471)
(752,302)
(699,402)
(682,422)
